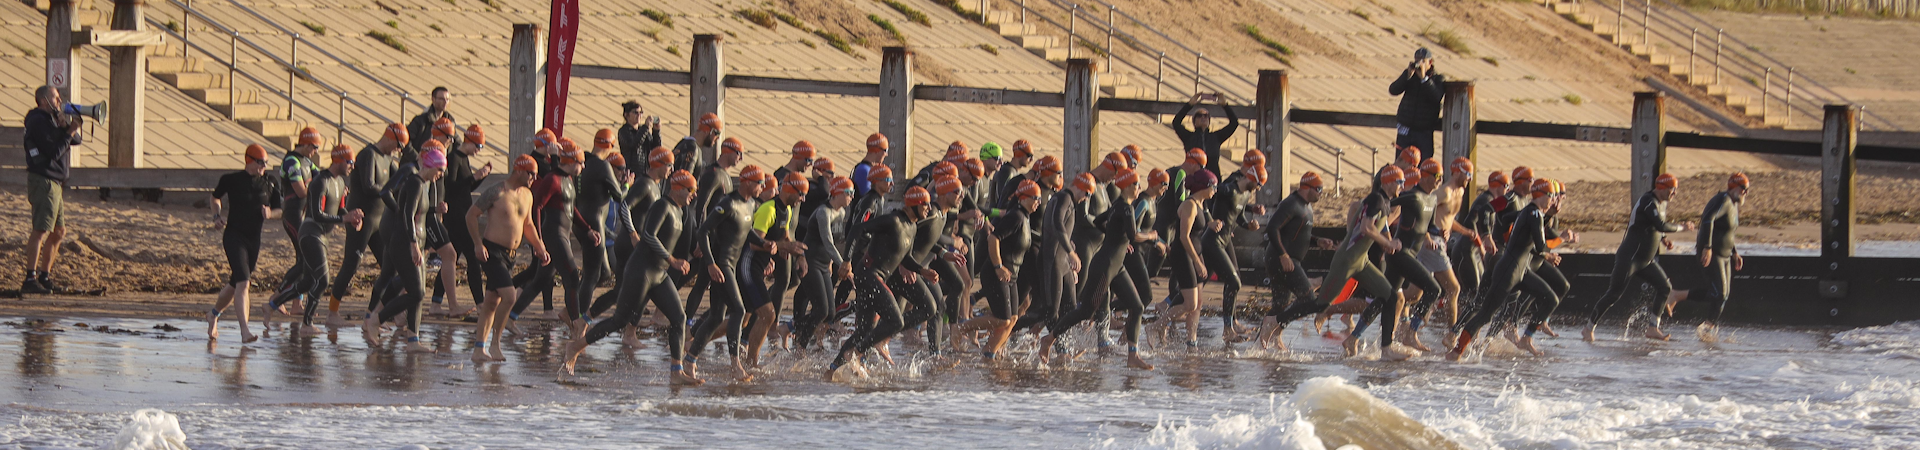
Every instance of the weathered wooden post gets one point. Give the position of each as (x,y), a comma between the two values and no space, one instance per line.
(1457,132)
(1836,196)
(1649,143)
(706,93)
(524,86)
(63,70)
(1081,119)
(126,121)
(1270,105)
(896,106)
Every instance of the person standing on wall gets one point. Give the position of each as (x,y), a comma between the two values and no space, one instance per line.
(1420,90)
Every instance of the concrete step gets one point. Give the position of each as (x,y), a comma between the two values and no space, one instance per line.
(282,142)
(1113,79)
(271,128)
(1567,9)
(1035,41)
(170,48)
(1775,122)
(1015,29)
(1717,89)
(1127,91)
(1605,30)
(1055,54)
(1001,16)
(249,111)
(1661,60)
(1736,101)
(192,80)
(173,64)
(218,96)
(1756,110)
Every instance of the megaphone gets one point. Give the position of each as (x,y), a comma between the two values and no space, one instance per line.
(97,111)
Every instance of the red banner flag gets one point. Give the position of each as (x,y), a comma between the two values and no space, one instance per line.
(565,24)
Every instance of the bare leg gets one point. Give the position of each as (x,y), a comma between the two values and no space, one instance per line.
(240,294)
(757,337)
(220,305)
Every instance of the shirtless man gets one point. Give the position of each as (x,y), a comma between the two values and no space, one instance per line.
(508,208)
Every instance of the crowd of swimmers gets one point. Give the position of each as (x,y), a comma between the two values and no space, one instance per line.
(983,247)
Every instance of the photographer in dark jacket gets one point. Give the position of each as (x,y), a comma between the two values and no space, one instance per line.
(639,135)
(1420,92)
(50,135)
(1198,135)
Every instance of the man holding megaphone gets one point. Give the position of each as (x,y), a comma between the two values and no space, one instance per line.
(50,135)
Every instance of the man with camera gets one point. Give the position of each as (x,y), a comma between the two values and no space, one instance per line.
(50,135)
(1420,89)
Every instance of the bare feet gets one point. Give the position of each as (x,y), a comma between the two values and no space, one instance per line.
(631,339)
(1654,333)
(1526,343)
(480,356)
(494,352)
(1136,362)
(1454,355)
(1351,345)
(1045,353)
(370,330)
(574,349)
(247,337)
(1587,335)
(334,320)
(1548,329)
(684,379)
(416,347)
(213,327)
(513,328)
(1410,337)
(309,330)
(740,372)
(1398,353)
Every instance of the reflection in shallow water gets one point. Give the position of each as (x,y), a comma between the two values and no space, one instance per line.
(1763,387)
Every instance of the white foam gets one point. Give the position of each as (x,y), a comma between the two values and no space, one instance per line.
(151,429)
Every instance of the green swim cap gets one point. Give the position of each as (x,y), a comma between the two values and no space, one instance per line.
(989,150)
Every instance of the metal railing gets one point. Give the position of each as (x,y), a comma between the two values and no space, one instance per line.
(291,64)
(1665,23)
(231,63)
(1101,29)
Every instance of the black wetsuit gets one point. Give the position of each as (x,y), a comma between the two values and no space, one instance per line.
(1718,222)
(638,203)
(295,170)
(887,239)
(1107,274)
(1638,257)
(245,195)
(645,279)
(1414,231)
(1289,234)
(553,206)
(1228,206)
(323,209)
(1057,280)
(1351,262)
(598,189)
(826,238)
(460,185)
(1013,233)
(714,183)
(405,232)
(1468,259)
(371,170)
(1527,242)
(727,230)
(924,294)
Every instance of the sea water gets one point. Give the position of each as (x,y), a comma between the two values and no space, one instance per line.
(73,387)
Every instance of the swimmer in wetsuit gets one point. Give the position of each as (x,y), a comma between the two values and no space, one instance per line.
(599,186)
(1530,238)
(887,240)
(1350,262)
(325,206)
(1121,235)
(406,238)
(371,169)
(827,262)
(1004,254)
(1059,259)
(252,198)
(1184,254)
(553,198)
(727,231)
(1638,256)
(296,169)
(1230,209)
(774,220)
(1414,229)
(647,271)
(1289,233)
(508,210)
(1718,255)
